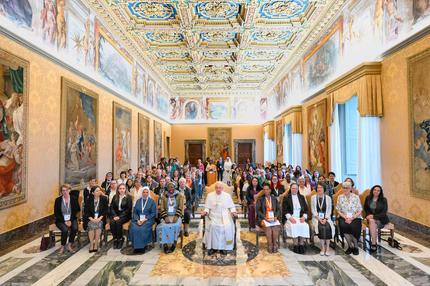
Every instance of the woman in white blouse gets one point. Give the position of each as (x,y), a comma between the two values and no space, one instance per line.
(349,212)
(321,218)
(303,189)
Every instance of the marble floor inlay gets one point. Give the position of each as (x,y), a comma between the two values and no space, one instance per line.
(249,265)
(116,273)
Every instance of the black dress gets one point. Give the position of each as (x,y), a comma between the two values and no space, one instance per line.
(324,230)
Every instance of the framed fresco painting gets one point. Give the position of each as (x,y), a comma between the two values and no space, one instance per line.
(158,141)
(279,141)
(320,64)
(79,134)
(419,122)
(13,129)
(219,142)
(143,125)
(121,139)
(317,136)
(218,109)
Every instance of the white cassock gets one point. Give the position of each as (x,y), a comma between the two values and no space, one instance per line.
(219,233)
(226,177)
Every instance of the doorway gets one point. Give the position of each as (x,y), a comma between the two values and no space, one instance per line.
(244,149)
(194,150)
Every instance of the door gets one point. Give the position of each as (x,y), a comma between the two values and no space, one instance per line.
(244,153)
(194,150)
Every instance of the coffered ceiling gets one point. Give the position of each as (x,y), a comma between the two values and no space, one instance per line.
(203,47)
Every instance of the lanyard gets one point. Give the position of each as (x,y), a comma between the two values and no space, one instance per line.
(318,202)
(67,206)
(96,208)
(144,206)
(269,204)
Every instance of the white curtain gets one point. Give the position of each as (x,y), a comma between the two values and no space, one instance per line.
(269,149)
(297,149)
(287,144)
(369,155)
(335,146)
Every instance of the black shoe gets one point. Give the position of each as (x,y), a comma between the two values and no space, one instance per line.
(120,243)
(355,251)
(301,249)
(115,244)
(211,251)
(348,251)
(166,249)
(173,247)
(186,234)
(223,252)
(296,249)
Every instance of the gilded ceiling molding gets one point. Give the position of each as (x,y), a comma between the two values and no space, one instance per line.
(364,82)
(294,116)
(269,128)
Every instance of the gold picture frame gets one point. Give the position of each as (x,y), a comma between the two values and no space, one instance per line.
(74,171)
(13,193)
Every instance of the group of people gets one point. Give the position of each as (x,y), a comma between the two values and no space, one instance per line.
(304,202)
(158,202)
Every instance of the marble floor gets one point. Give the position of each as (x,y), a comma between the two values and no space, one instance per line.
(249,265)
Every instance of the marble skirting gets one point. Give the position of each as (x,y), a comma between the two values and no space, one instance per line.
(18,236)
(404,224)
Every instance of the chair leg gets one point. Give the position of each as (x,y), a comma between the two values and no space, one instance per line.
(392,233)
(257,240)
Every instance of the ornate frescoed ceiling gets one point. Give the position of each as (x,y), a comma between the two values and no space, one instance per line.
(213,47)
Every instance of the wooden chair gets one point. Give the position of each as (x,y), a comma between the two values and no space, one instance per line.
(227,189)
(335,220)
(281,202)
(309,203)
(337,189)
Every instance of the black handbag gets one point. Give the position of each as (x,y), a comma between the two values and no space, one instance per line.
(47,242)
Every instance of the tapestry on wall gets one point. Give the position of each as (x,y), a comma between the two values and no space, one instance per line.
(78,162)
(158,141)
(121,139)
(219,142)
(143,141)
(317,136)
(419,110)
(13,130)
(279,141)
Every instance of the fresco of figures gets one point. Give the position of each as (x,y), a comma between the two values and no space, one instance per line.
(317,136)
(279,140)
(121,139)
(79,134)
(419,98)
(158,140)
(74,31)
(378,23)
(13,113)
(143,140)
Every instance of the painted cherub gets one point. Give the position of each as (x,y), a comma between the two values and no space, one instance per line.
(61,25)
(48,15)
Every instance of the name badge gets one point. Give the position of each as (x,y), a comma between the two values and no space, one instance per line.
(321,215)
(349,215)
(142,217)
(296,213)
(171,209)
(271,215)
(66,217)
(96,215)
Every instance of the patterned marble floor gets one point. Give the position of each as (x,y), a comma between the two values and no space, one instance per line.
(27,266)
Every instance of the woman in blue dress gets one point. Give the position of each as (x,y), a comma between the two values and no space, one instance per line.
(172,211)
(142,220)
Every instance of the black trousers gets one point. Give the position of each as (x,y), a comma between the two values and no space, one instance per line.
(116,227)
(354,228)
(187,215)
(67,231)
(220,175)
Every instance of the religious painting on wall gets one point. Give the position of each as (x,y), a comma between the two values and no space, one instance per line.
(143,125)
(419,112)
(218,109)
(317,136)
(79,109)
(158,141)
(191,110)
(320,64)
(139,83)
(219,142)
(279,141)
(13,130)
(121,139)
(112,63)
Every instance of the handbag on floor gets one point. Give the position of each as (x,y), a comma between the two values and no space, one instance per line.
(47,242)
(394,243)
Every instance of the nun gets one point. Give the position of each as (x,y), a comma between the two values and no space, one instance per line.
(142,220)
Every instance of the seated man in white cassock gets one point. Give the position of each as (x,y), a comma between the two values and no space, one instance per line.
(219,233)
